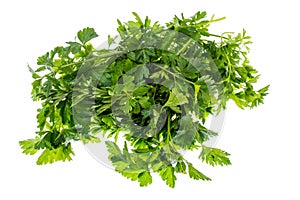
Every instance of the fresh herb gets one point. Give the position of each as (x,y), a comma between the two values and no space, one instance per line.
(154,88)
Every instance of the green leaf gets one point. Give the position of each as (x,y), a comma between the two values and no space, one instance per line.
(33,73)
(214,156)
(86,35)
(44,60)
(138,19)
(110,40)
(167,174)
(141,91)
(185,136)
(197,89)
(41,117)
(75,47)
(108,120)
(112,148)
(180,167)
(176,99)
(28,146)
(145,178)
(241,103)
(50,156)
(141,72)
(147,22)
(195,174)
(144,102)
(130,175)
(264,91)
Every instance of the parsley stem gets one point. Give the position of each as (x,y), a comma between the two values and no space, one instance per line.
(169,130)
(175,75)
(184,47)
(94,58)
(219,36)
(229,68)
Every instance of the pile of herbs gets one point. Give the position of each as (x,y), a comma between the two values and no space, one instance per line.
(153,89)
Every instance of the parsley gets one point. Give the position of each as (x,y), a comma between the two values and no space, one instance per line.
(154,88)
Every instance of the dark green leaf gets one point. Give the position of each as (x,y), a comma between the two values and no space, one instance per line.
(86,35)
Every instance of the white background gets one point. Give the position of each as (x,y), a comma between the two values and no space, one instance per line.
(264,142)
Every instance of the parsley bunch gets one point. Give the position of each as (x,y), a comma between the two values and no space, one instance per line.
(148,93)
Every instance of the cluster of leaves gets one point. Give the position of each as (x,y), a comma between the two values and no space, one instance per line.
(53,84)
(137,167)
(148,90)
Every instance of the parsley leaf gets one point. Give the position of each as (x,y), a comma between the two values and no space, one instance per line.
(145,178)
(53,155)
(214,156)
(195,174)
(167,174)
(85,35)
(175,99)
(28,146)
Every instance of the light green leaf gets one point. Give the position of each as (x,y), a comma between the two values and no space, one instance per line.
(214,156)
(33,73)
(145,178)
(138,19)
(112,148)
(50,156)
(195,174)
(176,99)
(28,146)
(130,175)
(167,174)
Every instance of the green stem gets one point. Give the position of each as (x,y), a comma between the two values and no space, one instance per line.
(175,75)
(219,36)
(229,68)
(169,130)
(95,58)
(216,20)
(184,47)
